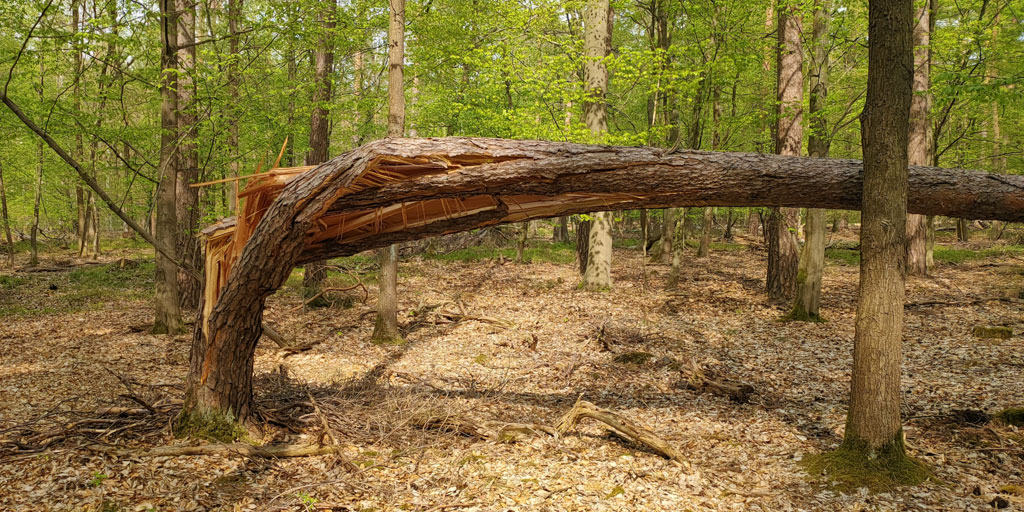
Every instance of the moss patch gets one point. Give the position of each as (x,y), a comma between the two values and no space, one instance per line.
(993,332)
(799,314)
(210,425)
(637,358)
(1012,416)
(853,465)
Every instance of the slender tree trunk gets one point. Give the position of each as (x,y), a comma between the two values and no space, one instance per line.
(919,151)
(7,220)
(83,195)
(597,43)
(783,252)
(678,251)
(873,427)
(234,16)
(668,230)
(33,259)
(386,326)
(187,198)
(812,256)
(963,230)
(168,311)
(705,232)
(319,124)
(524,230)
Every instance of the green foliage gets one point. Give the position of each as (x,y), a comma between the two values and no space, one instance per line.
(83,288)
(843,256)
(954,255)
(97,479)
(853,465)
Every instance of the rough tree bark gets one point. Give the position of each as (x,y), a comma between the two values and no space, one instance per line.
(168,312)
(186,197)
(385,327)
(315,272)
(873,428)
(668,230)
(597,43)
(220,371)
(807,305)
(783,252)
(919,151)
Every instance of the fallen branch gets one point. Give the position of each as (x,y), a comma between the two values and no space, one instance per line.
(441,316)
(696,380)
(450,424)
(972,302)
(310,300)
(620,425)
(245,450)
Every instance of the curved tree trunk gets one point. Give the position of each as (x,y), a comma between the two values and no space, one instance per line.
(220,368)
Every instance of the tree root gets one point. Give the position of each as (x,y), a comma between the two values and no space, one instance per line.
(620,425)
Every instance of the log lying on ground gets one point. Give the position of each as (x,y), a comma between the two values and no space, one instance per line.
(241,449)
(695,379)
(396,190)
(620,424)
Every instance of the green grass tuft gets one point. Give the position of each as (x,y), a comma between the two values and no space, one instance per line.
(853,466)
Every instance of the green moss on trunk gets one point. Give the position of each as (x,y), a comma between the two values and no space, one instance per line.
(854,465)
(210,425)
(380,336)
(799,314)
(1012,416)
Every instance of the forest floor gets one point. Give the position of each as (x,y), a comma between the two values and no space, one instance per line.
(68,337)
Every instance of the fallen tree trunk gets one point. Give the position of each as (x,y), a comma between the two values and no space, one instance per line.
(396,190)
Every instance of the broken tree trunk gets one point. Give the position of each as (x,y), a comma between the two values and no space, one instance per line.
(395,190)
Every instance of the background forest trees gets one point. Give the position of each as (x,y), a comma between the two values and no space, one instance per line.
(687,71)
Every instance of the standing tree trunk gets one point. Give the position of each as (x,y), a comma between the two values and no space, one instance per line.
(234,15)
(385,328)
(597,44)
(919,151)
(7,220)
(874,436)
(812,257)
(783,253)
(668,230)
(963,230)
(186,197)
(168,311)
(33,259)
(705,232)
(678,252)
(315,272)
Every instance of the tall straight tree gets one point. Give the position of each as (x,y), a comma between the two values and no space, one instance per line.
(168,312)
(920,149)
(597,44)
(186,197)
(874,435)
(807,305)
(234,15)
(783,256)
(319,122)
(6,219)
(385,328)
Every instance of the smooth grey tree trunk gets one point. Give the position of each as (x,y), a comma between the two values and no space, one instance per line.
(597,42)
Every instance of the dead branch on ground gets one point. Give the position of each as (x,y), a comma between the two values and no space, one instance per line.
(621,425)
(697,380)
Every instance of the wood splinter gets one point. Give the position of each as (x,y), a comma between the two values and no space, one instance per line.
(621,425)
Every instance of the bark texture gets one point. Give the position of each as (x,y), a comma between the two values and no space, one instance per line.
(619,177)
(919,151)
(873,424)
(597,44)
(807,305)
(319,125)
(783,251)
(6,220)
(168,312)
(187,169)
